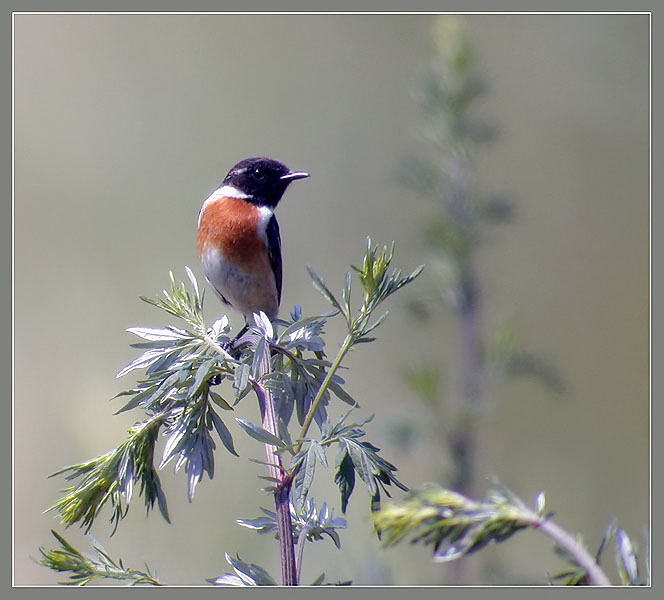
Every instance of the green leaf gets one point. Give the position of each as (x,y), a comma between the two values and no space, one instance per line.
(284,336)
(192,279)
(219,401)
(362,465)
(324,291)
(284,433)
(319,451)
(202,375)
(257,359)
(346,294)
(626,559)
(260,434)
(373,326)
(153,335)
(222,431)
(342,394)
(137,399)
(241,380)
(308,468)
(247,574)
(345,479)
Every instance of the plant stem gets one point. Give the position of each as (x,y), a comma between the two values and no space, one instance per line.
(345,347)
(283,482)
(563,539)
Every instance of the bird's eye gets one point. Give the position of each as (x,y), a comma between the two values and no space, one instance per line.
(259,174)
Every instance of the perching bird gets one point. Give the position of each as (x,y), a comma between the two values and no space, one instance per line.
(238,236)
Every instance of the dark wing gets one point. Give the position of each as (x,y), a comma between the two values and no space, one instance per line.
(274,252)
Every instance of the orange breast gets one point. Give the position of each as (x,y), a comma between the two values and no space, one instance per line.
(229,225)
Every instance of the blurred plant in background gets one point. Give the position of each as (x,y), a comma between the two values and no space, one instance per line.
(457,526)
(449,91)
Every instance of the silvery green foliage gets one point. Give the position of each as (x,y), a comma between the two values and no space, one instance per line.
(181,364)
(176,397)
(309,525)
(249,575)
(245,574)
(309,522)
(86,568)
(354,456)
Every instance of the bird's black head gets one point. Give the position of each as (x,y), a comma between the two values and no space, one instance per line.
(263,180)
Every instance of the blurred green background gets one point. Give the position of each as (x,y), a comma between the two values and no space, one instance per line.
(123,126)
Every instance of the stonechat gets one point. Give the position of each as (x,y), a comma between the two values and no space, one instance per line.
(238,236)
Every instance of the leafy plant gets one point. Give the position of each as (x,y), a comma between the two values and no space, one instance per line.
(455,526)
(294,383)
(86,568)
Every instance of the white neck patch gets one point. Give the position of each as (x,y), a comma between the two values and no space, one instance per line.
(264,215)
(229,191)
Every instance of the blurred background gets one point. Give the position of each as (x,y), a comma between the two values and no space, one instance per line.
(124,124)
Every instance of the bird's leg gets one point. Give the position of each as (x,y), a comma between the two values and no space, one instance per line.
(234,347)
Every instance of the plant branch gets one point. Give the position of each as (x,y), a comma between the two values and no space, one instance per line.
(457,526)
(345,347)
(84,568)
(562,538)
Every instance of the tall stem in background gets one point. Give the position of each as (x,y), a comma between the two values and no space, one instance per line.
(462,438)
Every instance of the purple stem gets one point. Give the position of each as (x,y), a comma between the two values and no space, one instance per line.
(275,469)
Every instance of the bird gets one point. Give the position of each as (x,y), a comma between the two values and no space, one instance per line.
(238,238)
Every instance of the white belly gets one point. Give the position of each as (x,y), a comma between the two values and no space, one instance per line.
(247,291)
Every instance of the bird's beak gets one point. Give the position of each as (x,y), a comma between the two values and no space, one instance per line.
(293,175)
